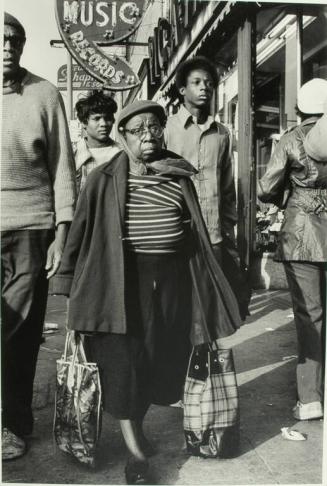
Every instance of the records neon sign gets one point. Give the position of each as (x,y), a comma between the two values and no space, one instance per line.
(85,23)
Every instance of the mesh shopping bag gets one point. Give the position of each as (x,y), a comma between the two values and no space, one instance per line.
(211,408)
(77,419)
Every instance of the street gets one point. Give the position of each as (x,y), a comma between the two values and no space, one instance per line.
(265,357)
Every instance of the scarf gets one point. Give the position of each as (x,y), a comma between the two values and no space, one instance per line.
(171,167)
(168,163)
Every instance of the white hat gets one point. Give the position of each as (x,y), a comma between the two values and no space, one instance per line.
(312,96)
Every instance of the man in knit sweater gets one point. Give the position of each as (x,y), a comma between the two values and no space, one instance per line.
(37,198)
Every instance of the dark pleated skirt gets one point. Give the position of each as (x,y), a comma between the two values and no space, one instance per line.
(149,363)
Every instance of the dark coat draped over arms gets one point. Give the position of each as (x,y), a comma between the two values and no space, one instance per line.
(92,270)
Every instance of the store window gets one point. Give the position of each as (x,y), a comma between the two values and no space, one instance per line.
(225,102)
(226,96)
(278,73)
(291,48)
(314,41)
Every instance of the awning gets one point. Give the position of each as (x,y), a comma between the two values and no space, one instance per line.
(199,34)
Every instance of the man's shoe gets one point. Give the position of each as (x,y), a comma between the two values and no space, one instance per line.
(12,445)
(308,411)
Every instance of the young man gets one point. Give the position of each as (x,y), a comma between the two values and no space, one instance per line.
(37,198)
(194,134)
(96,113)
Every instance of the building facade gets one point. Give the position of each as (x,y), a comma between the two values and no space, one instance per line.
(263,52)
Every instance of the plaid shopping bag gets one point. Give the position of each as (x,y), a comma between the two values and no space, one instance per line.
(77,417)
(211,409)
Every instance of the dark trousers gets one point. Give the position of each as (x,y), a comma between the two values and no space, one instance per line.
(307,284)
(148,364)
(24,290)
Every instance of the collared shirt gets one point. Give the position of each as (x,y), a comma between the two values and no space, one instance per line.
(87,159)
(207,147)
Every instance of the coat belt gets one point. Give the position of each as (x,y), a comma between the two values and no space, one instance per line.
(311,200)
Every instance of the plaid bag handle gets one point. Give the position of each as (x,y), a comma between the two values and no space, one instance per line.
(213,346)
(189,362)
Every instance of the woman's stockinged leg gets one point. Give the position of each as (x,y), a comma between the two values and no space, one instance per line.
(145,444)
(131,439)
(136,469)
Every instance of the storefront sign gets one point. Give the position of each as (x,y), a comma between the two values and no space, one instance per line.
(84,23)
(164,43)
(82,81)
(161,46)
(152,59)
(168,36)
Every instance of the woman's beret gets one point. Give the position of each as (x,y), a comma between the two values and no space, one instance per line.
(141,106)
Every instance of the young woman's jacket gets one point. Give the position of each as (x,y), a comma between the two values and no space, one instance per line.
(92,270)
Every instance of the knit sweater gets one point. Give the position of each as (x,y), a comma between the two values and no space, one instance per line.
(37,166)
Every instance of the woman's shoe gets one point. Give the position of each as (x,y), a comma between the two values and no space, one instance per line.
(136,472)
(308,411)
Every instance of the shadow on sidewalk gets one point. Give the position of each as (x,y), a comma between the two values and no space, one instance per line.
(266,366)
(262,304)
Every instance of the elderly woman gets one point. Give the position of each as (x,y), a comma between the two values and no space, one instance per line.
(142,277)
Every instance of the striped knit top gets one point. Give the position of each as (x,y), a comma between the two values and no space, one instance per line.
(154,214)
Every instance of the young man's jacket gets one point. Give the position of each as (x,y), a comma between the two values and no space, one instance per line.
(92,268)
(299,183)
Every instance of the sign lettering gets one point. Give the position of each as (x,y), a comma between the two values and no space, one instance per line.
(121,17)
(82,81)
(84,23)
(164,38)
(160,50)
(153,60)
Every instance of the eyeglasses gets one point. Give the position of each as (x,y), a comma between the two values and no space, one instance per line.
(15,41)
(155,130)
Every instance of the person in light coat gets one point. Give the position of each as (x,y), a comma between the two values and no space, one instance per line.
(298,183)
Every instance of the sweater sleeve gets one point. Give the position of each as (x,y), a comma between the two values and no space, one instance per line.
(60,160)
(315,143)
(61,283)
(271,186)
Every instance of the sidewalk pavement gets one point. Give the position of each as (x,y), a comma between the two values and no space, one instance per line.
(265,355)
